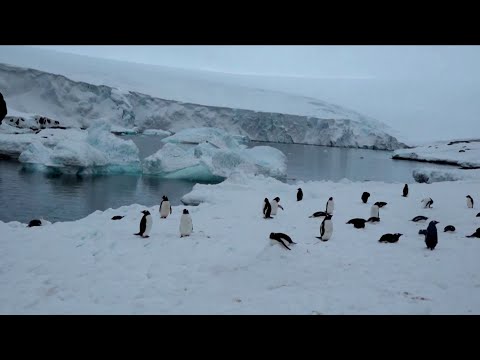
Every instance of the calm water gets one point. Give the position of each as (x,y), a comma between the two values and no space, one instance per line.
(27,195)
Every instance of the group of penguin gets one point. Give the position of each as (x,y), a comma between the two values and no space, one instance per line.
(326,227)
(186,224)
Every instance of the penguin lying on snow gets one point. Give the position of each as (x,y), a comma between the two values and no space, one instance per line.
(478,215)
(318,214)
(357,223)
(145,224)
(380,204)
(427,202)
(475,234)
(390,238)
(420,218)
(373,219)
(117,217)
(422,232)
(282,238)
(34,222)
(449,228)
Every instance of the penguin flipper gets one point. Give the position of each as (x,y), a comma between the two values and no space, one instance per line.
(285,245)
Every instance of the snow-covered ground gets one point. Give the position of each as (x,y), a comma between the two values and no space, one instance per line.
(229,265)
(436,175)
(465,153)
(259,114)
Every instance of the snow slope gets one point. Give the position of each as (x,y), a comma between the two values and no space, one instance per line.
(228,265)
(428,175)
(465,153)
(258,114)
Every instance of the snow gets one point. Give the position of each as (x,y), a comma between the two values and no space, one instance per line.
(428,175)
(156,132)
(465,153)
(216,156)
(96,151)
(259,115)
(229,266)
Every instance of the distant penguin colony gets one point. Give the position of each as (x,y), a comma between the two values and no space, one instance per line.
(326,228)
(420,218)
(469,202)
(267,209)
(450,228)
(390,238)
(299,194)
(330,206)
(365,197)
(282,238)
(431,238)
(427,202)
(165,207)
(275,205)
(145,224)
(186,224)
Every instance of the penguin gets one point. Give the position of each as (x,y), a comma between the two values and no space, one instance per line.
(419,218)
(380,204)
(431,238)
(299,194)
(449,228)
(475,234)
(390,238)
(326,228)
(117,217)
(357,223)
(469,202)
(373,219)
(186,225)
(275,205)
(318,214)
(330,206)
(281,238)
(374,211)
(267,209)
(427,202)
(422,232)
(165,207)
(34,222)
(145,224)
(478,215)
(365,197)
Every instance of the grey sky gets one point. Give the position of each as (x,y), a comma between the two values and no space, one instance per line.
(426,92)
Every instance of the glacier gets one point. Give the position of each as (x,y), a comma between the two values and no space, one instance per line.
(208,154)
(303,120)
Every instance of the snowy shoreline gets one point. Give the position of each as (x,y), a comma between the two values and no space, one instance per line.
(229,266)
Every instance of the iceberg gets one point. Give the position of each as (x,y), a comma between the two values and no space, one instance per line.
(217,157)
(156,132)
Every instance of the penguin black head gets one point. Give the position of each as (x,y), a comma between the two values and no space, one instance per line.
(266,200)
(397,234)
(185,211)
(272,235)
(434,222)
(468,196)
(299,189)
(146,212)
(277,199)
(330,198)
(328,217)
(164,197)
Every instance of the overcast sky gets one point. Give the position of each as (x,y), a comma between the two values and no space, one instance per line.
(419,90)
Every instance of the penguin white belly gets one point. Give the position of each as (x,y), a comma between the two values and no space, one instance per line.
(469,203)
(186,225)
(374,212)
(330,207)
(328,230)
(148,226)
(274,205)
(165,209)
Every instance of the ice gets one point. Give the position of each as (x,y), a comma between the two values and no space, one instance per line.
(156,132)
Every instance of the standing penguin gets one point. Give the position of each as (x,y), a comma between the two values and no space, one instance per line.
(405,190)
(165,207)
(275,205)
(267,209)
(375,211)
(145,224)
(330,206)
(326,228)
(299,194)
(431,238)
(186,225)
(365,197)
(427,202)
(469,202)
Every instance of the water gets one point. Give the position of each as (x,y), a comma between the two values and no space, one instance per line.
(27,195)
